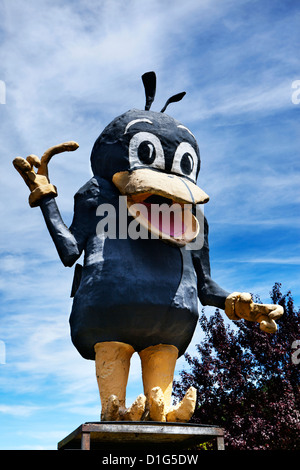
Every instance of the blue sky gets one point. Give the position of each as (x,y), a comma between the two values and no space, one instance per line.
(69,68)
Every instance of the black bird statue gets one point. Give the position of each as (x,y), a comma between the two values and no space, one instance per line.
(144,269)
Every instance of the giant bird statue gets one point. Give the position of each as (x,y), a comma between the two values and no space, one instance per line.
(138,293)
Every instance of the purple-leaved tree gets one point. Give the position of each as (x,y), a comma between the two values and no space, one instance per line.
(248,381)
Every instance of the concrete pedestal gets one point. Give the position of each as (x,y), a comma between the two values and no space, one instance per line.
(141,436)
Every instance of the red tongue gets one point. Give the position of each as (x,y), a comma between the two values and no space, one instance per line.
(168,223)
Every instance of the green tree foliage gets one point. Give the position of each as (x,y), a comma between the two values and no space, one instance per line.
(248,381)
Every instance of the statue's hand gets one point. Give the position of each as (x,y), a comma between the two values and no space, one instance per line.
(38,182)
(240,305)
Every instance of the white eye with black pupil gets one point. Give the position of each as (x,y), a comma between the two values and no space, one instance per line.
(146,152)
(185,161)
(146,149)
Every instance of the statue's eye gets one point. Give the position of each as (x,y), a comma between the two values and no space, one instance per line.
(146,152)
(146,149)
(185,161)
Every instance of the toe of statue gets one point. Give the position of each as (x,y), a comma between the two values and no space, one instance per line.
(184,410)
(114,412)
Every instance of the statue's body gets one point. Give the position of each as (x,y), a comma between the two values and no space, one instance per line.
(137,294)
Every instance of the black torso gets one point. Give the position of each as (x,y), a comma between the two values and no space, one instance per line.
(141,292)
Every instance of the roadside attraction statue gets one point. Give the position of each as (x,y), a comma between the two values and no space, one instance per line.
(138,293)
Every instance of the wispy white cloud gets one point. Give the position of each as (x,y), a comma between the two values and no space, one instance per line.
(265,260)
(18,410)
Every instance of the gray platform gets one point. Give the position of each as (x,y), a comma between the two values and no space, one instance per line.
(141,436)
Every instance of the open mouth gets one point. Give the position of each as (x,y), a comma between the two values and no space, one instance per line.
(164,218)
(162,203)
(165,215)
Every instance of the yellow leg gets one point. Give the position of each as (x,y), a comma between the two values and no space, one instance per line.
(158,365)
(112,368)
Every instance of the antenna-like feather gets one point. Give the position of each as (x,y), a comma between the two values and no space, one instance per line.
(173,99)
(149,81)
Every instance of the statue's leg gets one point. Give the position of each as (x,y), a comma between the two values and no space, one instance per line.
(158,365)
(112,360)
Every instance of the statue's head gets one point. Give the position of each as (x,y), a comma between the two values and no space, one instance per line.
(146,153)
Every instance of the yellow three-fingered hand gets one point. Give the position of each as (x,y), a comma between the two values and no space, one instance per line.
(38,182)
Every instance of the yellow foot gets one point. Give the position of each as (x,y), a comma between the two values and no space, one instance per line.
(135,411)
(183,411)
(113,411)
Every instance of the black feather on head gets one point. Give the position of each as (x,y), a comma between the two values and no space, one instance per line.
(149,81)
